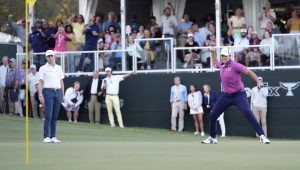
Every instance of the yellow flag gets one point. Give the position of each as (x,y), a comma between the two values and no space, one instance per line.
(31,2)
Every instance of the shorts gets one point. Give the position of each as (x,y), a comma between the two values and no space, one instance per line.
(196,111)
(14,96)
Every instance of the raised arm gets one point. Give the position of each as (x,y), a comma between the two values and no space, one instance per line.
(128,74)
(251,74)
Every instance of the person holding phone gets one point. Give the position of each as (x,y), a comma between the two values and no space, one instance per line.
(266,15)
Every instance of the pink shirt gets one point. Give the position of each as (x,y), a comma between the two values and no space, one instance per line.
(60,42)
(230,74)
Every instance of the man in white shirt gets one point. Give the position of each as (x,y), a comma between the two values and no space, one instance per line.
(93,96)
(51,93)
(265,16)
(111,85)
(240,43)
(168,23)
(33,79)
(73,98)
(259,104)
(3,71)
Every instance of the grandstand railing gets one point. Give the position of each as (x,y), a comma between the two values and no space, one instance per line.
(285,46)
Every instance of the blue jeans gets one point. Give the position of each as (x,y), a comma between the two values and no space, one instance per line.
(87,47)
(239,99)
(71,63)
(52,104)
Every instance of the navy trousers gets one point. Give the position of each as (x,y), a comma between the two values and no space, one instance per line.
(52,104)
(87,47)
(239,99)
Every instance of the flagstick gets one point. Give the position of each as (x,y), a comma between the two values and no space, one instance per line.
(26,58)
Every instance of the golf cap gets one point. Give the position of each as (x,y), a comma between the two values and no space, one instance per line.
(243,31)
(107,69)
(13,60)
(226,51)
(32,66)
(50,52)
(190,35)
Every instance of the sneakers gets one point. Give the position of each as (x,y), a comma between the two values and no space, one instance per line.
(55,140)
(196,133)
(47,140)
(210,140)
(202,133)
(264,140)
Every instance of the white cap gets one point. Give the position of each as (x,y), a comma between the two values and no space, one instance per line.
(226,51)
(190,35)
(244,30)
(50,52)
(32,66)
(107,69)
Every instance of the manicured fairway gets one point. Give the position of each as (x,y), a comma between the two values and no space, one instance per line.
(100,147)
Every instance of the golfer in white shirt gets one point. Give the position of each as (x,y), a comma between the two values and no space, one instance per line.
(111,85)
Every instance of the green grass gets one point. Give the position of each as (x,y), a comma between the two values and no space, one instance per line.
(88,147)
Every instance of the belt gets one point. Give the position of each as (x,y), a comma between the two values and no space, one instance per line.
(111,94)
(54,89)
(93,94)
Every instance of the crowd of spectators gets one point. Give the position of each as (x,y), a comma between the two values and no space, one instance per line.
(104,34)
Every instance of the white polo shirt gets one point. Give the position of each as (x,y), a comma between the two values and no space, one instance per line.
(32,81)
(166,22)
(113,84)
(51,75)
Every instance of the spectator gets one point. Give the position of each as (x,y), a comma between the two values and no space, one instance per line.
(265,16)
(59,23)
(19,28)
(33,79)
(237,21)
(99,22)
(36,43)
(198,37)
(152,22)
(4,68)
(132,47)
(103,57)
(49,32)
(72,101)
(254,53)
(91,31)
(249,31)
(259,104)
(12,82)
(140,34)
(240,43)
(134,25)
(272,30)
(155,33)
(228,38)
(182,30)
(60,40)
(191,54)
(51,92)
(117,56)
(211,29)
(206,53)
(168,23)
(149,47)
(111,21)
(22,87)
(293,23)
(178,100)
(78,28)
(195,105)
(111,85)
(265,51)
(71,46)
(209,100)
(93,96)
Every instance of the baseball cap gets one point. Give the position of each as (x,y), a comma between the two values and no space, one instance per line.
(107,69)
(226,51)
(244,30)
(13,60)
(32,66)
(190,35)
(50,52)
